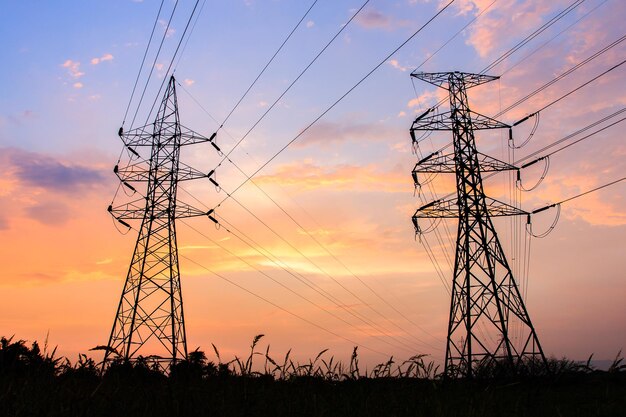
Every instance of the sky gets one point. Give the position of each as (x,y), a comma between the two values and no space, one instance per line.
(345,183)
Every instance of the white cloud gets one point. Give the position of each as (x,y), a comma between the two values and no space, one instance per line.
(73,68)
(189,82)
(170,30)
(78,85)
(105,57)
(394,63)
(310,24)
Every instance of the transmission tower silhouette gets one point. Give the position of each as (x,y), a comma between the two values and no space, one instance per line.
(149,321)
(485,298)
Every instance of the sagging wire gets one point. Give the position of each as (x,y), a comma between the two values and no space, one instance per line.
(419,232)
(544,174)
(529,225)
(115,220)
(418,184)
(512,144)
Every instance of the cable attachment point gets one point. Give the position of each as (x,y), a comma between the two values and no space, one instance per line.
(217,148)
(530,135)
(132,151)
(529,226)
(120,132)
(544,174)
(524,119)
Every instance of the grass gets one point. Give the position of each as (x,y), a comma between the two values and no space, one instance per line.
(33,382)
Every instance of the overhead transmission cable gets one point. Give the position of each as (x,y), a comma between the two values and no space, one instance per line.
(143,60)
(154,64)
(313,303)
(456,34)
(283,309)
(229,195)
(328,275)
(270,107)
(332,106)
(169,67)
(590,191)
(304,229)
(543,45)
(193,27)
(553,102)
(533,35)
(564,74)
(527,39)
(274,56)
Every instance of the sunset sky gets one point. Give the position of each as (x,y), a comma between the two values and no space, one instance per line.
(69,69)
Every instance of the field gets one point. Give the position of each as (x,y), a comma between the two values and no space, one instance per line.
(35,383)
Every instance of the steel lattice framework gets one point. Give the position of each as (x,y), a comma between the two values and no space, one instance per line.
(149,321)
(485,297)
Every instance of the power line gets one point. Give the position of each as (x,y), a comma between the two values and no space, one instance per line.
(337,101)
(524,41)
(319,307)
(591,191)
(455,35)
(165,77)
(167,28)
(293,82)
(575,197)
(248,178)
(554,101)
(563,75)
(283,309)
(533,35)
(574,134)
(310,235)
(553,38)
(581,86)
(270,61)
(156,21)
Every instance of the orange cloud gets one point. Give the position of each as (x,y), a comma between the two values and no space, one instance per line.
(306,176)
(103,58)
(73,68)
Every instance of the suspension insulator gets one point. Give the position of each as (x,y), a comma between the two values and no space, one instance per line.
(132,151)
(415,180)
(129,186)
(124,223)
(214,182)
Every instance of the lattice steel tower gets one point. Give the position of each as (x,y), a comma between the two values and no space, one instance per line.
(485,296)
(150,320)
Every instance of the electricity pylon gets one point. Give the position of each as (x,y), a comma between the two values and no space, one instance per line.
(149,321)
(485,296)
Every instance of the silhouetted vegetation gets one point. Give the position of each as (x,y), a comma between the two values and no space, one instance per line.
(35,383)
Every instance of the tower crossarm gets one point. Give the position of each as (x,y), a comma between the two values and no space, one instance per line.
(140,172)
(144,136)
(446,163)
(189,137)
(446,122)
(448,208)
(441,79)
(136,209)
